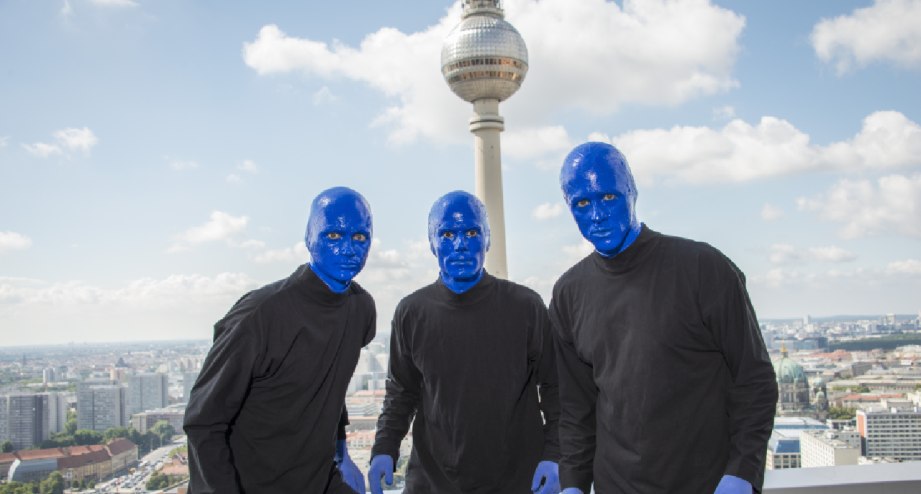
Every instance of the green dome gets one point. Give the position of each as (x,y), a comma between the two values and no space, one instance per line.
(788,371)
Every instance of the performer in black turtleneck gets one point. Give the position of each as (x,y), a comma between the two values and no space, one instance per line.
(267,413)
(471,359)
(665,383)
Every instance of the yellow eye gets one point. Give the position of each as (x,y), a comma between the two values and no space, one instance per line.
(359,237)
(334,235)
(582,203)
(472,233)
(609,197)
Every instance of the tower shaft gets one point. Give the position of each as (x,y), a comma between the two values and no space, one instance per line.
(486,124)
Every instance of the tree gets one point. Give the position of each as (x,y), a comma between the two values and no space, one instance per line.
(157,481)
(70,426)
(141,440)
(841,413)
(163,431)
(15,488)
(7,446)
(85,437)
(54,484)
(115,433)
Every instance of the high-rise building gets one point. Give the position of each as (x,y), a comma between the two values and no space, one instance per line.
(100,406)
(147,392)
(890,432)
(26,419)
(56,410)
(48,375)
(829,448)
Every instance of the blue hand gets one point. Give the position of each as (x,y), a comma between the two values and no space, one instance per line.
(733,485)
(348,469)
(546,478)
(572,490)
(381,466)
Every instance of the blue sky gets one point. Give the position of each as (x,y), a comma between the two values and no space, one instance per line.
(157,158)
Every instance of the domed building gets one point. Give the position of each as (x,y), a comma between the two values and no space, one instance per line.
(792,385)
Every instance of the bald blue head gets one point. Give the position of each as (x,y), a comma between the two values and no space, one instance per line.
(338,236)
(601,194)
(459,238)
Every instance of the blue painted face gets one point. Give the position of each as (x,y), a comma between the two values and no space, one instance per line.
(338,236)
(599,189)
(459,238)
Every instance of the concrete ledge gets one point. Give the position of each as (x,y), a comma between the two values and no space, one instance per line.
(883,478)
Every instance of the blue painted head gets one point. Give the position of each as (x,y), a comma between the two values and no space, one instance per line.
(338,236)
(459,238)
(599,190)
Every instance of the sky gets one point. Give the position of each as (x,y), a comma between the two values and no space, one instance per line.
(158,158)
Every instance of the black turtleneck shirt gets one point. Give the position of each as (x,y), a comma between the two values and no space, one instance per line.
(665,383)
(265,412)
(476,369)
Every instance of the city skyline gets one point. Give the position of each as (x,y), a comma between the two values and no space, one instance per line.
(157,158)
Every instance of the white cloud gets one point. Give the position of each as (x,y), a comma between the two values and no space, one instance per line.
(14,241)
(179,306)
(392,273)
(774,147)
(666,53)
(778,277)
(248,166)
(906,267)
(576,252)
(77,139)
(292,255)
(831,253)
(114,3)
(724,113)
(221,226)
(788,254)
(788,292)
(66,9)
(324,96)
(891,205)
(769,212)
(536,142)
(172,290)
(886,31)
(182,165)
(42,150)
(783,254)
(68,140)
(3,141)
(548,211)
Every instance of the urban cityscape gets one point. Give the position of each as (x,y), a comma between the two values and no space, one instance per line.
(108,417)
(784,134)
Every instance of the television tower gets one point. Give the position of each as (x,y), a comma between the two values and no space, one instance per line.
(484,61)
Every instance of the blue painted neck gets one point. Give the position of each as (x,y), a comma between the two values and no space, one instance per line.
(628,241)
(460,286)
(333,284)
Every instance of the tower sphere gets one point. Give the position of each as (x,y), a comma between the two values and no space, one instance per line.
(484,57)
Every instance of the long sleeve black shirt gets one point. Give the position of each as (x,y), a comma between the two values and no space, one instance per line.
(264,414)
(476,369)
(665,382)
